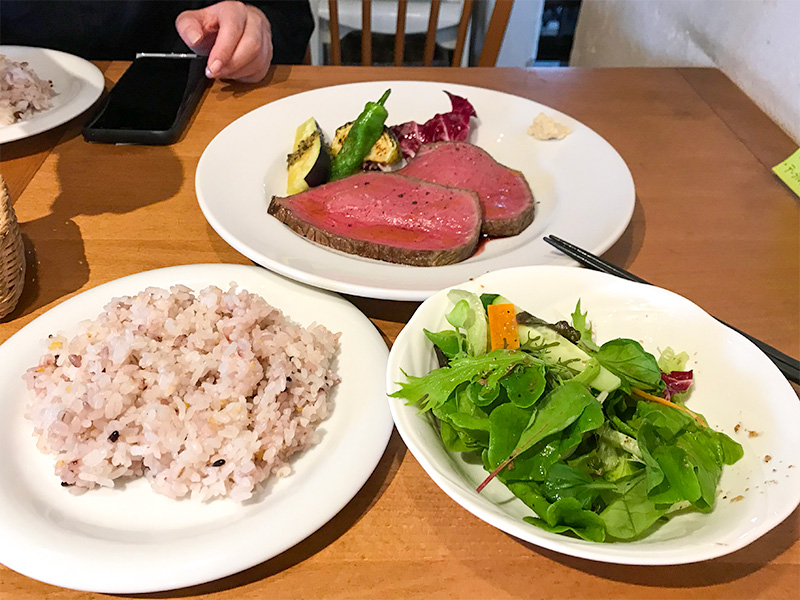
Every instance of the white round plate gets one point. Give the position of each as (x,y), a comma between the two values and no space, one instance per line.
(583,189)
(130,539)
(737,388)
(77,82)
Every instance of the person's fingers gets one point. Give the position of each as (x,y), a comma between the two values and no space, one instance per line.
(237,38)
(196,30)
(231,18)
(253,54)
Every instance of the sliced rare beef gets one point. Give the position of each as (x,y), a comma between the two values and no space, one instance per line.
(505,196)
(388,217)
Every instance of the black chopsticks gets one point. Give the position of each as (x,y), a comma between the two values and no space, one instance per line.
(789,366)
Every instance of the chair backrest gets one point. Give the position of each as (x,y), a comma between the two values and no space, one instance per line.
(489,51)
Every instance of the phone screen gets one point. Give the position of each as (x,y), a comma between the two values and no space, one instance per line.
(149,95)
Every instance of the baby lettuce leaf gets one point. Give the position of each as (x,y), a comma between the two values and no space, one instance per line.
(481,394)
(632,512)
(531,465)
(524,385)
(434,389)
(697,449)
(728,451)
(683,460)
(451,343)
(506,424)
(557,411)
(463,424)
(452,438)
(564,481)
(612,455)
(569,517)
(582,325)
(487,299)
(622,441)
(619,409)
(669,360)
(683,479)
(612,461)
(468,314)
(667,421)
(535,463)
(459,316)
(564,515)
(631,363)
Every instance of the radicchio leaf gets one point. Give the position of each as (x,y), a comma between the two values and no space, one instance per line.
(676,382)
(452,126)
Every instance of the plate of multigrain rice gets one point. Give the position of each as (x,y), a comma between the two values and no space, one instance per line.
(41,89)
(180,425)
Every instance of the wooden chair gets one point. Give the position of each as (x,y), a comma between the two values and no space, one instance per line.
(489,51)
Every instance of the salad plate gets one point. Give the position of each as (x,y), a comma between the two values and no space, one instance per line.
(77,83)
(731,378)
(583,189)
(129,539)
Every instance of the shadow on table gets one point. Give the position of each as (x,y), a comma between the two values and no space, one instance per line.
(94,179)
(389,316)
(386,310)
(345,519)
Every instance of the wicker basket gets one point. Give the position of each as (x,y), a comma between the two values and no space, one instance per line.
(12,254)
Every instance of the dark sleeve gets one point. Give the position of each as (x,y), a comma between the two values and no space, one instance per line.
(91,29)
(292,25)
(117,30)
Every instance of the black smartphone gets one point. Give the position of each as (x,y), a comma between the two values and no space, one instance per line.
(152,101)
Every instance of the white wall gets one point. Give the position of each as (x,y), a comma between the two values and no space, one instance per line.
(756,43)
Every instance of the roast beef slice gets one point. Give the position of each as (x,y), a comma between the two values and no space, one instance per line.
(386,216)
(506,197)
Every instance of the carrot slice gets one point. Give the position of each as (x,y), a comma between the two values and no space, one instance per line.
(503,331)
(652,398)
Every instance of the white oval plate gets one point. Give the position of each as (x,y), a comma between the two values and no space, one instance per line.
(77,82)
(130,539)
(583,189)
(735,384)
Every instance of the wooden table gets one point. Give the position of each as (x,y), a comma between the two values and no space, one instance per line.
(711,223)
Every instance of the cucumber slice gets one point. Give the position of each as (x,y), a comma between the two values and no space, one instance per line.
(565,352)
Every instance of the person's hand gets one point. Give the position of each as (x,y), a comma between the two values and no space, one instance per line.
(236,37)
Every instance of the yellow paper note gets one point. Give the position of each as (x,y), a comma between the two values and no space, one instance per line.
(789,172)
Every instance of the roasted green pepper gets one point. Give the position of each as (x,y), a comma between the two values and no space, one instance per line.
(366,130)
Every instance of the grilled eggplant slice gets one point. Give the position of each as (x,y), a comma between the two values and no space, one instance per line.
(385,151)
(310,162)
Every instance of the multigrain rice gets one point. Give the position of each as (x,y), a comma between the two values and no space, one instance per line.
(22,92)
(205,395)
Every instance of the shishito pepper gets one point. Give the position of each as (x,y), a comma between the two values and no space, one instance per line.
(366,130)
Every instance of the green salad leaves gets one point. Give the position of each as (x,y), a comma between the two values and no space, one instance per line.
(585,435)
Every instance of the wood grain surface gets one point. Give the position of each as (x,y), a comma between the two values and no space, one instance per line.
(711,222)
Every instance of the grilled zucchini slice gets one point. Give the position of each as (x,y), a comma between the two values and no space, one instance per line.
(384,152)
